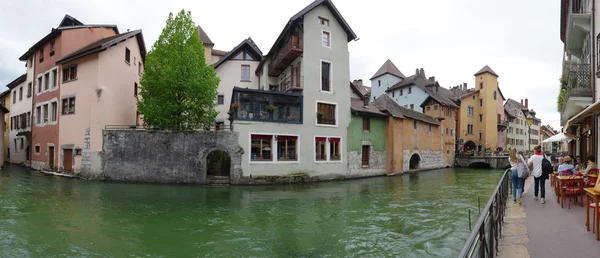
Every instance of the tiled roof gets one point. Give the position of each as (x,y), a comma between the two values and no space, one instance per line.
(217,52)
(358,105)
(486,69)
(105,43)
(388,68)
(17,81)
(249,44)
(513,108)
(203,36)
(361,90)
(441,95)
(385,103)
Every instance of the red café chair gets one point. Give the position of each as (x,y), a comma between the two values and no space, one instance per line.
(573,188)
(593,208)
(593,171)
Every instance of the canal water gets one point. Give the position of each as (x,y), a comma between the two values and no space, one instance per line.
(415,215)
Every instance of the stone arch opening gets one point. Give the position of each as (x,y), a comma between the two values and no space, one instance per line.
(482,165)
(414,162)
(469,147)
(218,167)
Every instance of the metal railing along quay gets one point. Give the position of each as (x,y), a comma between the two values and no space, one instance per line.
(483,240)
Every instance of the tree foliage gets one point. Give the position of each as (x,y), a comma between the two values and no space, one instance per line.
(178,89)
(561,100)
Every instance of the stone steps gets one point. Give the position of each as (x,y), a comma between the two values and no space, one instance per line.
(217,180)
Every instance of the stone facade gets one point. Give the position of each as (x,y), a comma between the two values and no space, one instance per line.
(429,159)
(165,157)
(376,163)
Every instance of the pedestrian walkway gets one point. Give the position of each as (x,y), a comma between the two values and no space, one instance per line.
(548,230)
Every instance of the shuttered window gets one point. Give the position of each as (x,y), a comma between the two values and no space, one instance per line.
(365,155)
(366,124)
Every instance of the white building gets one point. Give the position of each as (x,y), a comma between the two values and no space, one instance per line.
(517,134)
(20,118)
(296,122)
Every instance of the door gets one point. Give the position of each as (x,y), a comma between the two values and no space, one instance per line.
(51,156)
(68,160)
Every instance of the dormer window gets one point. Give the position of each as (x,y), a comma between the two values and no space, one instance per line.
(243,55)
(323,21)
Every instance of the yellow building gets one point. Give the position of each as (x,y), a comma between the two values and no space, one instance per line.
(5,101)
(481,114)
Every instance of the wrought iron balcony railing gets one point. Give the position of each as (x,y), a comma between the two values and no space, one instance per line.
(579,81)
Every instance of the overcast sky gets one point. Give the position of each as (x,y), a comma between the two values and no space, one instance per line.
(450,39)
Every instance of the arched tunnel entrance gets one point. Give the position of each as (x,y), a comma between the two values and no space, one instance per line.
(414,162)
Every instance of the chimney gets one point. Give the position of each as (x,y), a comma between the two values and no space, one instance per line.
(417,71)
(366,101)
(526,103)
(521,102)
(422,73)
(464,86)
(432,78)
(437,88)
(359,81)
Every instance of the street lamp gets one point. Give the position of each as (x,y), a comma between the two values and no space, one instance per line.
(529,122)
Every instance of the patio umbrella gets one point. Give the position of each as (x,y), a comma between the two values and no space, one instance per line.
(561,137)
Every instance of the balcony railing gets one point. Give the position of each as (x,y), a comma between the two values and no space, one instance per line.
(579,81)
(580,6)
(292,84)
(266,106)
(291,48)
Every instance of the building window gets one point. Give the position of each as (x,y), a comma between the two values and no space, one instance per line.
(481,102)
(379,83)
(494,94)
(481,85)
(448,112)
(326,38)
(28,119)
(473,97)
(243,55)
(409,90)
(16,145)
(135,89)
(393,94)
(245,73)
(45,116)
(448,152)
(46,81)
(37,149)
(451,132)
(470,111)
(140,68)
(39,84)
(325,76)
(334,149)
(429,128)
(365,155)
(29,88)
(323,21)
(435,107)
(287,148)
(480,136)
(52,46)
(326,114)
(127,55)
(480,118)
(428,108)
(77,152)
(220,99)
(412,107)
(38,112)
(42,54)
(68,106)
(366,124)
(69,73)
(22,143)
(446,131)
(14,95)
(401,92)
(20,93)
(415,124)
(261,146)
(54,111)
(54,78)
(320,149)
(469,129)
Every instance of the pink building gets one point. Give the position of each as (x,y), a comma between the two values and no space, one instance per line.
(108,74)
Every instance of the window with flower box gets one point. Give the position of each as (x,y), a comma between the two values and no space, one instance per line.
(328,149)
(270,147)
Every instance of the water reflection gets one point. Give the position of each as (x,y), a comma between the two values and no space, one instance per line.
(416,215)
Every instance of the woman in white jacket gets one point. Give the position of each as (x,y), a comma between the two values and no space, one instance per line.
(517,181)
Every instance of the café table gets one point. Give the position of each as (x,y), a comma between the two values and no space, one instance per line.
(593,194)
(562,180)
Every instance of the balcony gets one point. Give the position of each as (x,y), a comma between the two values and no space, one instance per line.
(502,125)
(290,49)
(289,84)
(579,92)
(266,106)
(578,25)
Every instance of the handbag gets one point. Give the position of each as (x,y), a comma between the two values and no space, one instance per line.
(522,170)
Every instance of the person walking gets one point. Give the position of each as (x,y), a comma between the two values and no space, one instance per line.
(517,162)
(535,163)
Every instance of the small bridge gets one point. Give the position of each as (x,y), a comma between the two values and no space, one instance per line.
(495,162)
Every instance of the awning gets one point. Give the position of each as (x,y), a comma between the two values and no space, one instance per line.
(590,110)
(561,137)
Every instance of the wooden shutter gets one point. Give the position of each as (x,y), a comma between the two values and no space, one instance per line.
(366,123)
(365,155)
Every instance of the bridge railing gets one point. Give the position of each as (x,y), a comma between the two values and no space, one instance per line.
(483,240)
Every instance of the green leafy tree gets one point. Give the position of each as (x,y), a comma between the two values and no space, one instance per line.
(560,102)
(178,89)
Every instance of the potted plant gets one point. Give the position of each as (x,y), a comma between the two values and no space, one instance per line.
(235,105)
(271,108)
(320,114)
(291,117)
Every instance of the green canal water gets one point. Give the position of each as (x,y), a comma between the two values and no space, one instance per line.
(416,215)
